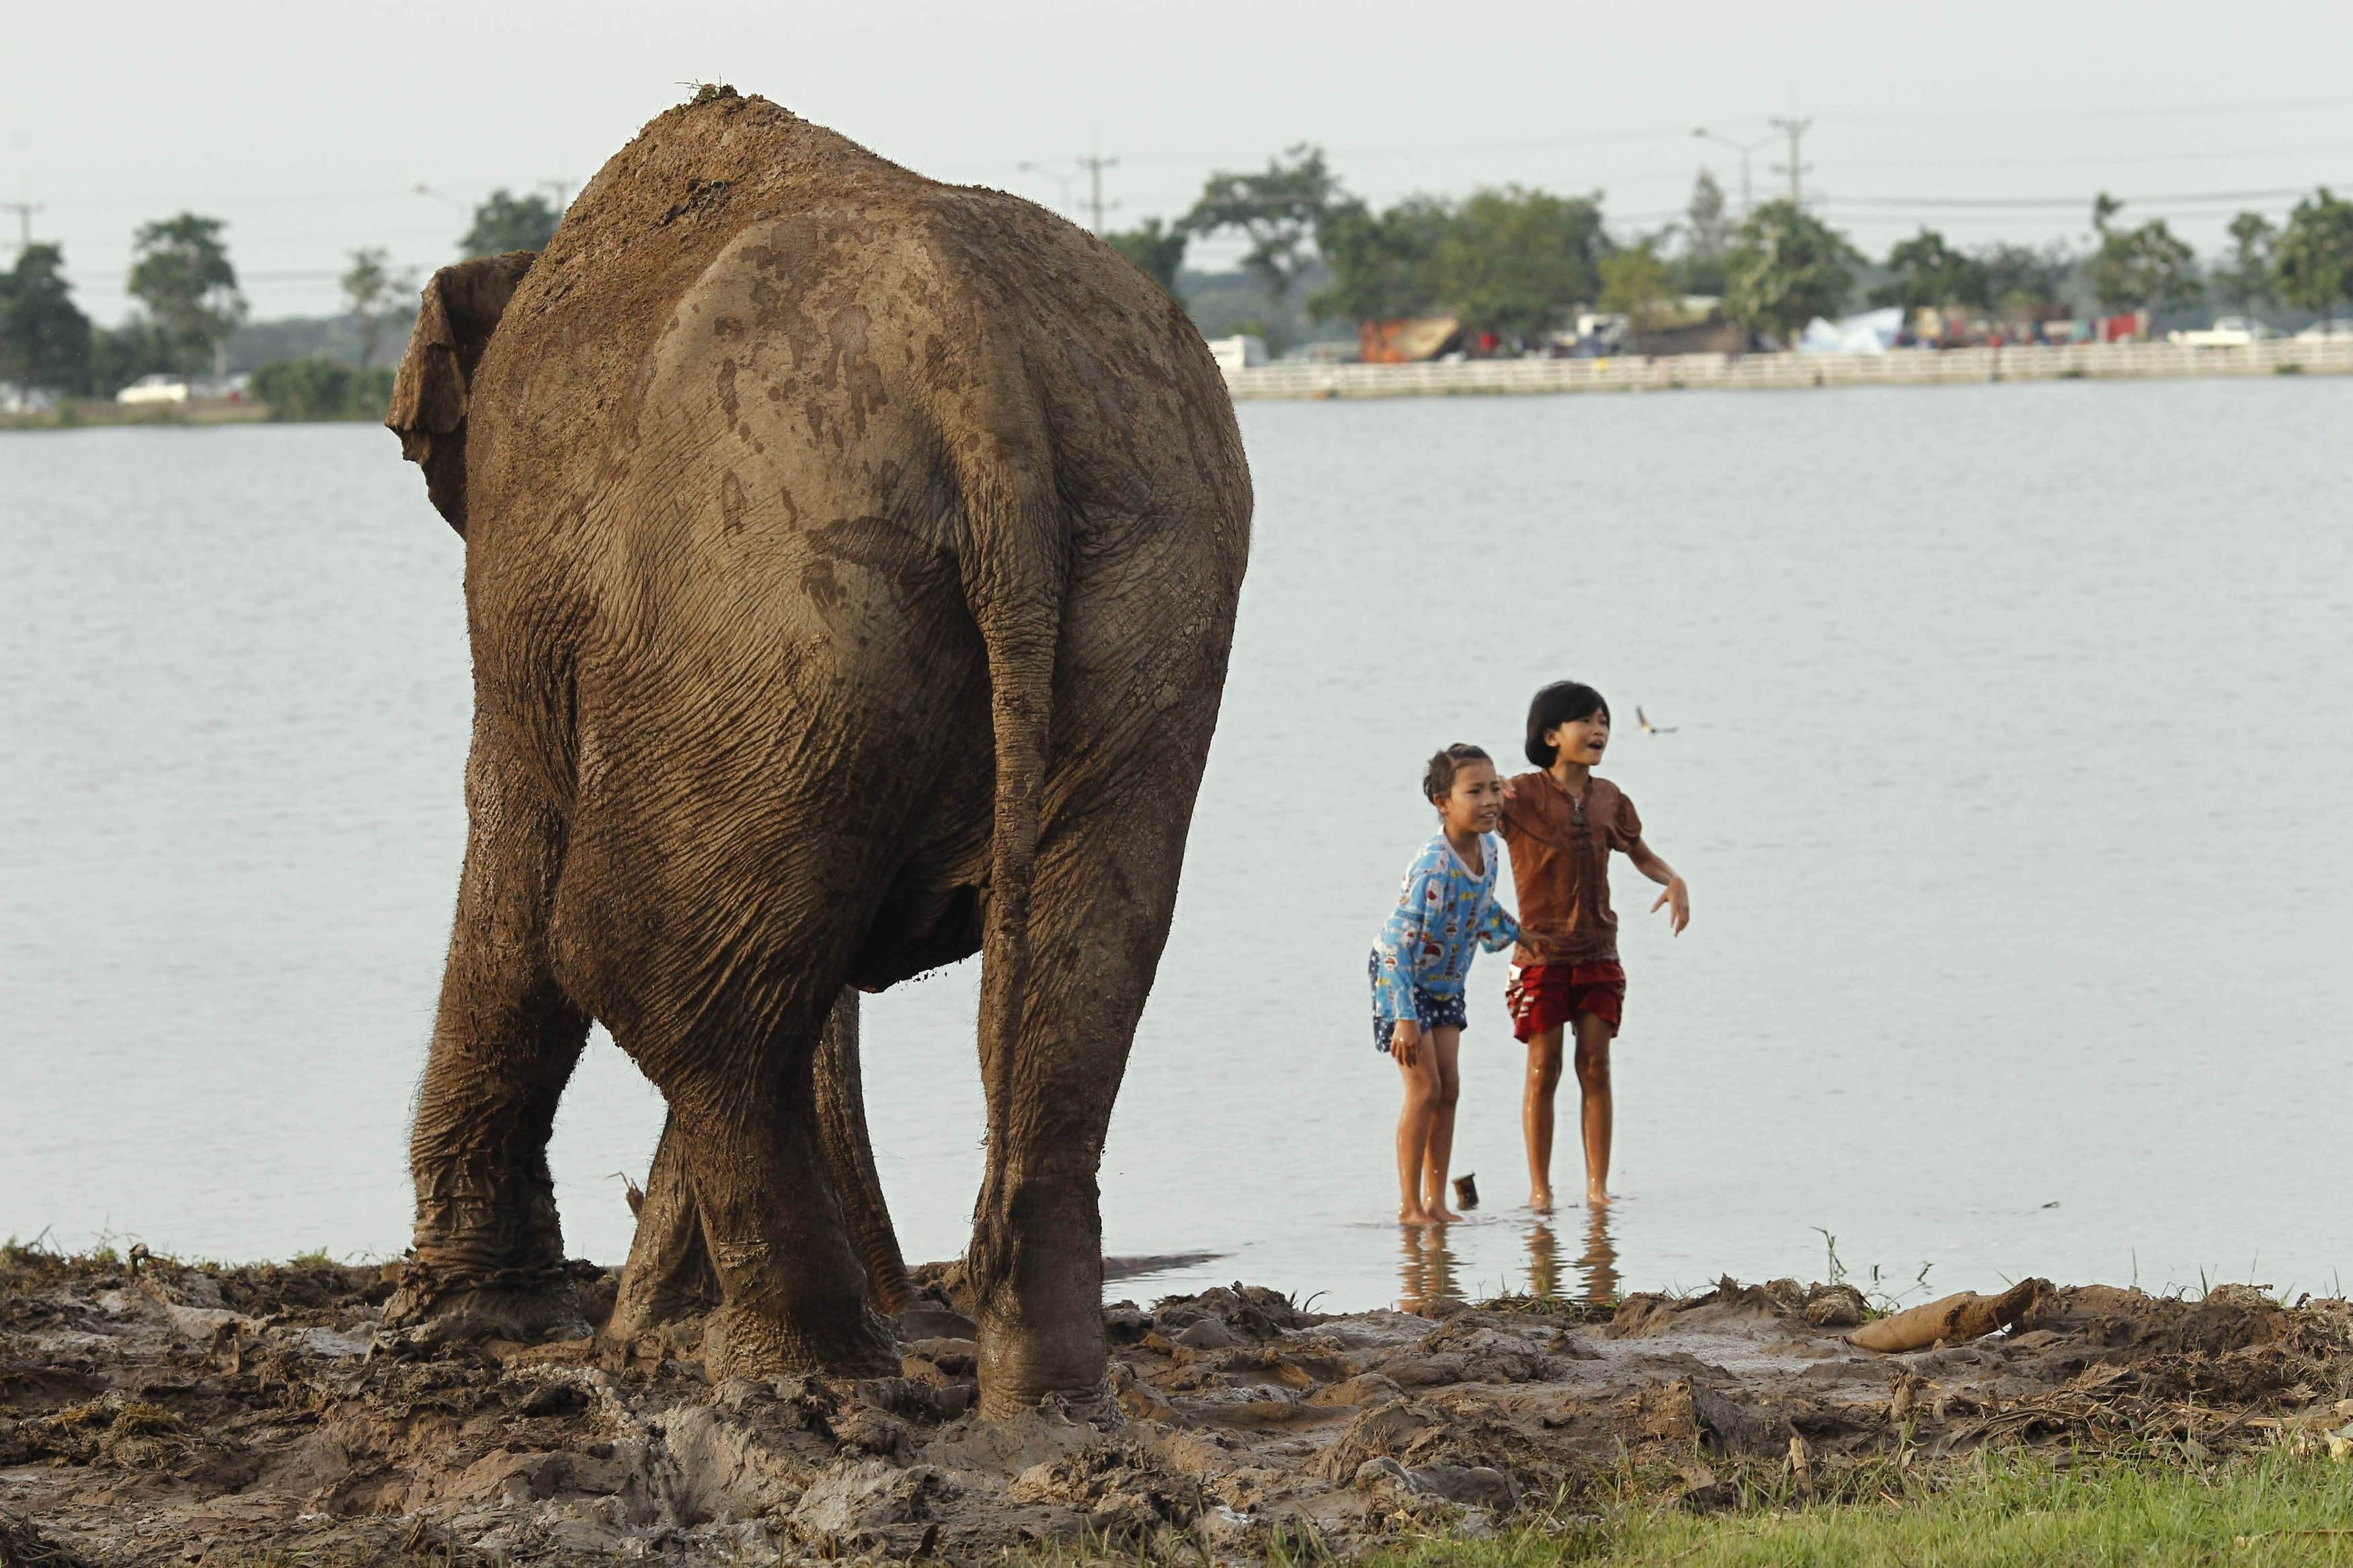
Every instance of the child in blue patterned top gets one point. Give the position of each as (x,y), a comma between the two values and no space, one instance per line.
(1445,911)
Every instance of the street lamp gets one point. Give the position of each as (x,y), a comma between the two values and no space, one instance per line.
(1748,202)
(1059,177)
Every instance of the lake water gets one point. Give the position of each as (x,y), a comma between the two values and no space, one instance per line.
(2009,768)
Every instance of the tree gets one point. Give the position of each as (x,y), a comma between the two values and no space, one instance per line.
(1278,210)
(1157,252)
(1382,263)
(2022,284)
(2247,281)
(2314,255)
(309,389)
(121,355)
(181,272)
(1636,284)
(2140,268)
(1707,235)
(1512,261)
(372,289)
(1786,267)
(507,222)
(44,336)
(1930,274)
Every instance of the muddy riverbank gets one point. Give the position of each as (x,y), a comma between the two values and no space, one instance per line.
(167,1413)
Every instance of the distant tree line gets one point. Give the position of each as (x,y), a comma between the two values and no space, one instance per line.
(189,302)
(1515,261)
(1510,261)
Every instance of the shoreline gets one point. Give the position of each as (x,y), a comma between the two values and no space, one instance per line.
(1522,377)
(152,1414)
(1792,372)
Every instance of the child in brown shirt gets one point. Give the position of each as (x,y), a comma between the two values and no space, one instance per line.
(1561,824)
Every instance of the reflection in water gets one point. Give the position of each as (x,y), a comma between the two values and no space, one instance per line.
(1426,1272)
(1543,1260)
(1597,1270)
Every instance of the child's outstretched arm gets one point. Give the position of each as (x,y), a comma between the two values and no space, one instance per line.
(1678,894)
(1497,929)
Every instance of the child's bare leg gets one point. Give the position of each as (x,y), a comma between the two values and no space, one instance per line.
(1593,1085)
(1444,1043)
(1536,1114)
(1413,1128)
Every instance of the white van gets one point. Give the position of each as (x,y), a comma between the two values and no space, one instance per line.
(161,387)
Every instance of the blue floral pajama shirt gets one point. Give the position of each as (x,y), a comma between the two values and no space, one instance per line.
(1444,914)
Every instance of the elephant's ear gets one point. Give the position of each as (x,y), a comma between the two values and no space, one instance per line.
(459,310)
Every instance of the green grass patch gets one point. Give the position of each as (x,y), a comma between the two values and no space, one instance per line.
(1999,1511)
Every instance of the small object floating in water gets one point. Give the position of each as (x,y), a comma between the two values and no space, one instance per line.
(1466,1190)
(1649,729)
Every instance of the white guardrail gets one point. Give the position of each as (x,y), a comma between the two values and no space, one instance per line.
(1897,367)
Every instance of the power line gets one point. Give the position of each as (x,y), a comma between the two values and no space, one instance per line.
(2035,202)
(2169,111)
(2211,156)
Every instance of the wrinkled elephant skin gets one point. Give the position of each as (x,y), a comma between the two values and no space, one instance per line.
(852,564)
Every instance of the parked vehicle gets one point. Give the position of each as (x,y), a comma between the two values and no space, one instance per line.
(2227,332)
(160,387)
(2328,330)
(1238,352)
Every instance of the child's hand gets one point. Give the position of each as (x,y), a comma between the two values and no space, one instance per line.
(1679,895)
(1405,1041)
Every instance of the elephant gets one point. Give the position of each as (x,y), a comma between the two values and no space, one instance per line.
(851,566)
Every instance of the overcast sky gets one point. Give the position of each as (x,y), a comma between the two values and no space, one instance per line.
(308,127)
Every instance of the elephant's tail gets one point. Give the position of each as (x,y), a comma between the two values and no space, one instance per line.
(1016,570)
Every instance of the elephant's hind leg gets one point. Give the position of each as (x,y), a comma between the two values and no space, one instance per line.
(488,1250)
(669,1277)
(670,1274)
(795,1294)
(1106,886)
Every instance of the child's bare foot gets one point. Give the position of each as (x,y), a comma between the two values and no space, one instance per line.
(1414,1217)
(1441,1215)
(1596,1198)
(1540,1199)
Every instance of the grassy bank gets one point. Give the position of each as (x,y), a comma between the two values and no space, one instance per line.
(81,412)
(1997,1510)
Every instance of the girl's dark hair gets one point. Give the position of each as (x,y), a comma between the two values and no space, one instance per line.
(1438,779)
(1562,702)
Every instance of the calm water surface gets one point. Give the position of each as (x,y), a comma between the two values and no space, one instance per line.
(2010,773)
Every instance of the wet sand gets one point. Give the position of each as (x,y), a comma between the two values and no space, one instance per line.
(156,1415)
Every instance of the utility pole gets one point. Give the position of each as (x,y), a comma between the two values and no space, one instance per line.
(24,211)
(1793,128)
(562,188)
(1094,167)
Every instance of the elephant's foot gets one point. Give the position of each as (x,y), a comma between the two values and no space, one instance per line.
(437,1306)
(741,1343)
(1023,1370)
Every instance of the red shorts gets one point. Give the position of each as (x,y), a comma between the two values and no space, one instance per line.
(1547,995)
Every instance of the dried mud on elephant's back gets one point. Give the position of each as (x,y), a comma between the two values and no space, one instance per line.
(147,1417)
